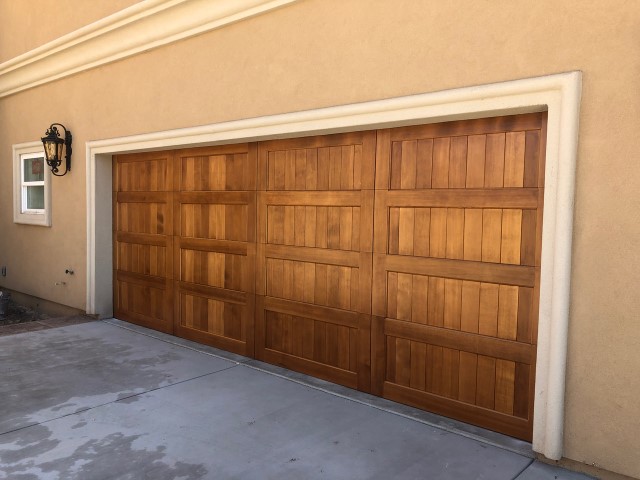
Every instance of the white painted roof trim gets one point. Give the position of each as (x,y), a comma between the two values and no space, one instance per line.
(141,27)
(560,94)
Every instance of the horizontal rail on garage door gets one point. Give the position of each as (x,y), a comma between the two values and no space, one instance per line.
(467,342)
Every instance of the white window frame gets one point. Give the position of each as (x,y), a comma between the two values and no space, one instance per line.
(21,214)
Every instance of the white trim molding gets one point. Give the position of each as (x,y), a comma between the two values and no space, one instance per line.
(141,27)
(41,218)
(558,94)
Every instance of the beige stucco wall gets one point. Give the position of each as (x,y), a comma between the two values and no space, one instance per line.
(320,53)
(24,26)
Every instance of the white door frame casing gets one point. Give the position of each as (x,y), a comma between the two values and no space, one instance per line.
(558,94)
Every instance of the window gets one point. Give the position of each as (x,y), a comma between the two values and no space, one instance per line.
(31,185)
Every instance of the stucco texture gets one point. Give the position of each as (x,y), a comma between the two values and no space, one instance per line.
(319,53)
(24,25)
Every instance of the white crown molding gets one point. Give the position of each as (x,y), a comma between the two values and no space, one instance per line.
(141,27)
(559,94)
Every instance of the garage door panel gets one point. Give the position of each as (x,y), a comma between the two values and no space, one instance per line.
(456,266)
(467,377)
(211,316)
(149,216)
(311,339)
(143,259)
(149,172)
(464,412)
(143,224)
(334,220)
(324,349)
(213,221)
(315,220)
(330,162)
(144,300)
(215,252)
(492,160)
(226,168)
(502,124)
(215,269)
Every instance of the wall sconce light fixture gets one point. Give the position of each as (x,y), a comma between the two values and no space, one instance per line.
(54,147)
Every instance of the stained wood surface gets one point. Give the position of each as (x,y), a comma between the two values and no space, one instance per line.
(458,214)
(214,246)
(403,262)
(143,239)
(315,220)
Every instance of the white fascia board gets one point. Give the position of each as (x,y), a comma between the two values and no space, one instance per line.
(141,27)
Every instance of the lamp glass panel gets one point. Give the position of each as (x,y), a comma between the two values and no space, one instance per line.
(50,150)
(34,169)
(35,197)
(60,150)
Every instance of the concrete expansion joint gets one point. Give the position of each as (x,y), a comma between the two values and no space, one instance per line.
(518,475)
(121,399)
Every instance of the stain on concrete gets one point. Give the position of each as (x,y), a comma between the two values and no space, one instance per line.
(58,372)
(112,456)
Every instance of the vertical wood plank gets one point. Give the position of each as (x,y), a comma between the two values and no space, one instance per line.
(525,302)
(405,293)
(473,222)
(435,302)
(458,162)
(418,364)
(491,235)
(409,158)
(455,233)
(311,170)
(424,162)
(438,233)
(508,312)
(394,231)
(528,238)
(467,377)
(514,159)
(531,158)
(422,231)
(470,309)
(335,168)
(403,362)
(440,169)
(406,225)
(323,168)
(419,299)
(476,151)
(396,166)
(504,396)
(392,295)
(494,166)
(521,390)
(452,303)
(346,168)
(485,386)
(510,236)
(488,310)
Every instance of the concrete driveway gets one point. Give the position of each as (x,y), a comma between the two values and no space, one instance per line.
(109,400)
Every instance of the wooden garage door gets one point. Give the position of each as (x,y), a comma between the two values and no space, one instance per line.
(215,218)
(403,262)
(315,231)
(456,268)
(143,241)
